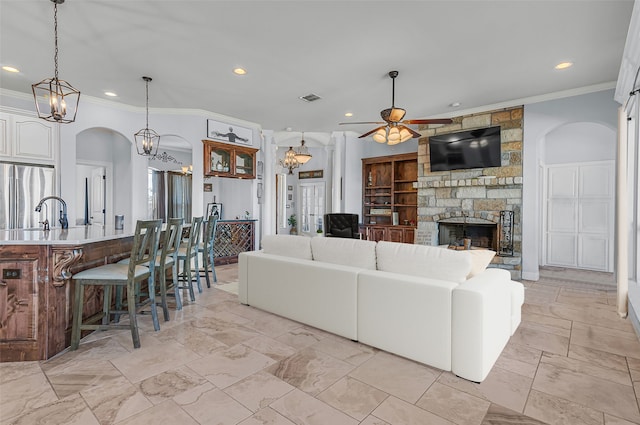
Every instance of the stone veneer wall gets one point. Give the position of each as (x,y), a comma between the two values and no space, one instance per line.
(480,193)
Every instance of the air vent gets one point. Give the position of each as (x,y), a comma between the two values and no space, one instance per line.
(310,97)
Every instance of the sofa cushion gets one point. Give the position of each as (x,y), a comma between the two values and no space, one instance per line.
(480,260)
(423,261)
(347,252)
(288,246)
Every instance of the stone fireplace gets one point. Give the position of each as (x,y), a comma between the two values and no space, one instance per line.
(458,202)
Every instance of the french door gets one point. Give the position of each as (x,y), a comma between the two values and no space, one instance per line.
(312,204)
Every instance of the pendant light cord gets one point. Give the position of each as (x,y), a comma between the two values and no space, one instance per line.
(55,37)
(147,82)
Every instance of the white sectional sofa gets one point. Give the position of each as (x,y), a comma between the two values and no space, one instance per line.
(429,304)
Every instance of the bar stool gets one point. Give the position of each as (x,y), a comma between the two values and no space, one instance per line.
(206,249)
(144,250)
(168,259)
(189,251)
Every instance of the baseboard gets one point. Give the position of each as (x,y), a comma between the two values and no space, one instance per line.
(535,276)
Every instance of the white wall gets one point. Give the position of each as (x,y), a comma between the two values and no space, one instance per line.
(189,125)
(593,110)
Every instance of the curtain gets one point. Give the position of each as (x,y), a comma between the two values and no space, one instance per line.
(157,193)
(179,195)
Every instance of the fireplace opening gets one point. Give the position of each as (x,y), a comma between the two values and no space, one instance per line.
(482,235)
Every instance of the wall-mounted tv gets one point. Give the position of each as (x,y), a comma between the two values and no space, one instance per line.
(466,149)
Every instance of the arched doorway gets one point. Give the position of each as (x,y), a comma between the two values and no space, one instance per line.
(103,162)
(578,194)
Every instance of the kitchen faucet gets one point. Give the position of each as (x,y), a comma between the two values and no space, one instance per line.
(63,212)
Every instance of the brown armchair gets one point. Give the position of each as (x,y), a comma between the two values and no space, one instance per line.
(341,225)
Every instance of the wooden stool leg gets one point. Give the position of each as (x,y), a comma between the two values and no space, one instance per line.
(205,265)
(197,269)
(213,266)
(163,293)
(133,319)
(188,278)
(106,304)
(176,285)
(152,299)
(77,316)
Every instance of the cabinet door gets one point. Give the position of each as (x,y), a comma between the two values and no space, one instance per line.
(18,300)
(409,235)
(244,164)
(33,139)
(395,234)
(5,145)
(217,160)
(377,233)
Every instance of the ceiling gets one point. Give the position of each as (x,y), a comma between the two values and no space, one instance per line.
(476,52)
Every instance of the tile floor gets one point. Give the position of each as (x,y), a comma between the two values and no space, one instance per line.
(572,361)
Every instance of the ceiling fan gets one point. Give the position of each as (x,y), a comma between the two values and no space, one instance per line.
(394,130)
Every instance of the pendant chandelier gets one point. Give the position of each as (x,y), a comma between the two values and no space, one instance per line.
(147,140)
(58,99)
(302,154)
(289,160)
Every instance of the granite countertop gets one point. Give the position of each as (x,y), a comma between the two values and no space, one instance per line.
(57,236)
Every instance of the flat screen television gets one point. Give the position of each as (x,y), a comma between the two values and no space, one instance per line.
(466,149)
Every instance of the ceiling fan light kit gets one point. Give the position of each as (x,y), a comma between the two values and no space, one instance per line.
(394,131)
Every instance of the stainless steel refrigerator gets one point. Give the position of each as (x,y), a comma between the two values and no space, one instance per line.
(22,186)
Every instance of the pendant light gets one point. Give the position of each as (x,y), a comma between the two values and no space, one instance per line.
(56,100)
(302,154)
(289,160)
(147,140)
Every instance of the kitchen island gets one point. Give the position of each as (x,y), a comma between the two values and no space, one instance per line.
(36,294)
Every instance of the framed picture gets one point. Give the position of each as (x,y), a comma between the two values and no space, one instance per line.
(290,197)
(314,174)
(214,209)
(225,132)
(208,187)
(289,187)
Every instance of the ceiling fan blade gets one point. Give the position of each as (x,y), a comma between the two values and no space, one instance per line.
(429,121)
(414,133)
(362,122)
(371,132)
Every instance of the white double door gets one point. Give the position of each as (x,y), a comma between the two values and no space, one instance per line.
(312,206)
(580,215)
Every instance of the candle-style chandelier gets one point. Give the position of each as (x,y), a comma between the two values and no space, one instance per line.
(56,100)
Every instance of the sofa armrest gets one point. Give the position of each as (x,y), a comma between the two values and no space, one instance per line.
(243,275)
(481,325)
(406,315)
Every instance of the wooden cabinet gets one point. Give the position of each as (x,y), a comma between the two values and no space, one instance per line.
(226,160)
(390,202)
(405,234)
(28,139)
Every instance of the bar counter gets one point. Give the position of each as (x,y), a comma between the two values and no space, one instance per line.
(59,236)
(36,293)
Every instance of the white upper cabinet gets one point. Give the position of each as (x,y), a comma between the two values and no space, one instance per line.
(27,139)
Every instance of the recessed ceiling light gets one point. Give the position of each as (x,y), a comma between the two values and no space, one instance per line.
(10,69)
(564,65)
(239,71)
(348,114)
(110,94)
(455,104)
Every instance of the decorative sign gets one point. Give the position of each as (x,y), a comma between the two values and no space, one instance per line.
(224,132)
(313,174)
